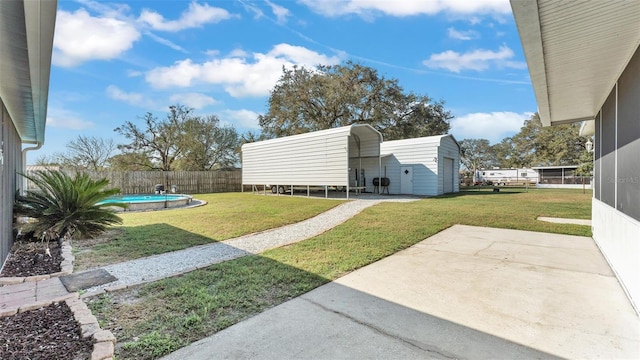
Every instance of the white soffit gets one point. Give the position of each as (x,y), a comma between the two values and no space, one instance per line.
(26,42)
(576,50)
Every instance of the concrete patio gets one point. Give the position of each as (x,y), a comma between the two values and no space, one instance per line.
(467,292)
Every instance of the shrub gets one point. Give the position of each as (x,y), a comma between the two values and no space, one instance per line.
(66,207)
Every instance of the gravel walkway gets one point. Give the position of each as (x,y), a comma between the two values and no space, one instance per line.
(174,263)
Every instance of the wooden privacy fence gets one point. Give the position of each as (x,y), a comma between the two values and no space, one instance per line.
(185,182)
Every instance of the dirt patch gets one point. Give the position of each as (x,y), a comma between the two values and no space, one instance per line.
(47,333)
(85,255)
(30,258)
(87,244)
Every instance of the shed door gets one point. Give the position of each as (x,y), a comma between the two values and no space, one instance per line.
(447,175)
(406,180)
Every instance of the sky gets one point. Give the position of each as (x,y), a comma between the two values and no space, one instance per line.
(114,61)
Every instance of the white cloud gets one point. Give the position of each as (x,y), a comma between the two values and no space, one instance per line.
(131,98)
(463,35)
(257,13)
(241,118)
(66,119)
(477,60)
(368,8)
(134,73)
(165,42)
(111,10)
(212,53)
(195,16)
(280,12)
(192,100)
(493,126)
(238,53)
(80,37)
(240,76)
(474,20)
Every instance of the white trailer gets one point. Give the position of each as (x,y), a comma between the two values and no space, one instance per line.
(422,166)
(508,176)
(339,158)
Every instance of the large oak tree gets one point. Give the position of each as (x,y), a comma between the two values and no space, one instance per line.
(534,145)
(208,145)
(537,145)
(305,100)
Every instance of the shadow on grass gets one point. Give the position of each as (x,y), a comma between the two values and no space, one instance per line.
(153,320)
(483,192)
(135,242)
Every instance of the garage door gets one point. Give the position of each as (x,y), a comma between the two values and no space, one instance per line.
(447,175)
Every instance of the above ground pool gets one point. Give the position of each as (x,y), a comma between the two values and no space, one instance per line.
(138,202)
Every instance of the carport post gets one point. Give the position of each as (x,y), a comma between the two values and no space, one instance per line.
(379,170)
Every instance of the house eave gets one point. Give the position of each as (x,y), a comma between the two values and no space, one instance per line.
(575,51)
(26,43)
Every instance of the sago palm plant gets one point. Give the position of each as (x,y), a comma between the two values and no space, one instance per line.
(65,207)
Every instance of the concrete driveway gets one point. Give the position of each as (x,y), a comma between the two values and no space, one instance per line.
(467,292)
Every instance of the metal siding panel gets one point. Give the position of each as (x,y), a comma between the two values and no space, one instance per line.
(316,158)
(420,153)
(392,172)
(308,159)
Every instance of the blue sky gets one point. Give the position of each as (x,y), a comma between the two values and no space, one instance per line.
(115,61)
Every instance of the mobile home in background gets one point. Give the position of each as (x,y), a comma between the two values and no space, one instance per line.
(507,176)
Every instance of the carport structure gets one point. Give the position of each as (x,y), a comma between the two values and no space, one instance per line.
(341,157)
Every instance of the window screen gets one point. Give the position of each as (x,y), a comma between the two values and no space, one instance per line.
(628,179)
(607,156)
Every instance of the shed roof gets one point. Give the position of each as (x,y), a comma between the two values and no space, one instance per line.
(436,139)
(26,43)
(358,129)
(576,50)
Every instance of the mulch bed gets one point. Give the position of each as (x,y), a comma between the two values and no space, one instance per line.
(29,258)
(47,333)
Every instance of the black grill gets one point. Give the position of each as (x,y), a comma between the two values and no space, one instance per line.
(385,181)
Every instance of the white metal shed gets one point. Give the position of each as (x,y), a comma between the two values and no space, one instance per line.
(339,157)
(422,166)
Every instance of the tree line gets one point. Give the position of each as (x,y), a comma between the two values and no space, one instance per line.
(309,99)
(302,100)
(535,145)
(181,140)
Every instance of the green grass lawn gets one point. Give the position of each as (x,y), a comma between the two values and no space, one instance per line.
(225,216)
(171,313)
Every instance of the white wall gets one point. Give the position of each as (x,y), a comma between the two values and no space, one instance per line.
(617,237)
(426,156)
(318,158)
